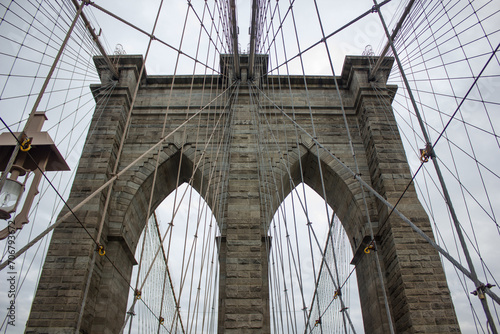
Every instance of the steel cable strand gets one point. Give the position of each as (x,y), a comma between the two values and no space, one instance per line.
(151,36)
(471,145)
(275,298)
(280,28)
(184,134)
(91,196)
(431,127)
(197,164)
(272,181)
(280,94)
(55,188)
(294,258)
(475,11)
(335,280)
(293,187)
(175,208)
(206,135)
(116,166)
(351,146)
(321,172)
(71,212)
(354,157)
(281,273)
(427,46)
(288,60)
(281,20)
(386,203)
(436,165)
(210,267)
(457,177)
(266,184)
(34,210)
(50,37)
(39,98)
(293,210)
(436,185)
(107,183)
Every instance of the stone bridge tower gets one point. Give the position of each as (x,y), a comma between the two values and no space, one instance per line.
(415,283)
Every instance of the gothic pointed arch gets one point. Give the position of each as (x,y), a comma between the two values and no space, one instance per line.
(175,167)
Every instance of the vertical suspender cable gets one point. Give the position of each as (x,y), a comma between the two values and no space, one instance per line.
(95,38)
(449,203)
(351,146)
(386,203)
(40,95)
(234,36)
(115,168)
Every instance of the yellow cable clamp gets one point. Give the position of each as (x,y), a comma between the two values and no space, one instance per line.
(426,153)
(337,293)
(479,292)
(424,157)
(26,145)
(369,248)
(101,250)
(161,320)
(137,294)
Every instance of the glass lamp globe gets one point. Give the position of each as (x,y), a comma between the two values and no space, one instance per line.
(9,196)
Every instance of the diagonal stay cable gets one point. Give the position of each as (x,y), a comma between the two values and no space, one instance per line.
(430,152)
(141,286)
(148,214)
(116,165)
(107,183)
(466,95)
(303,206)
(335,284)
(151,36)
(370,11)
(383,200)
(71,211)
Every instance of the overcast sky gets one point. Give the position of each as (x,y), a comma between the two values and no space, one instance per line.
(480,179)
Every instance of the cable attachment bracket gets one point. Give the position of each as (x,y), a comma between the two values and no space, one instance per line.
(25,143)
(481,290)
(370,247)
(100,249)
(426,153)
(137,294)
(337,293)
(317,322)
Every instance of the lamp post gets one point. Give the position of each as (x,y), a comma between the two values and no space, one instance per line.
(38,154)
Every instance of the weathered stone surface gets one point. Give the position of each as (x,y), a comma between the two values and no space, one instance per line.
(413,276)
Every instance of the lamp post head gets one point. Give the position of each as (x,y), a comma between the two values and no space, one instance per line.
(9,196)
(38,154)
